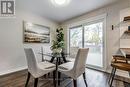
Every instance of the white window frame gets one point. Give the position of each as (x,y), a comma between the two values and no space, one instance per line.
(91,21)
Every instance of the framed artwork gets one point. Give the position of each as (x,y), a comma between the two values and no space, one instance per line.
(35,33)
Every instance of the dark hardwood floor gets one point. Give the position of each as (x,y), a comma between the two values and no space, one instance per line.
(94,79)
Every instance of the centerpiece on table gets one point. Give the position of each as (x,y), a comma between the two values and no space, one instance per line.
(58,44)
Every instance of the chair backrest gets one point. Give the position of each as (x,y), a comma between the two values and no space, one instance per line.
(80,62)
(31,60)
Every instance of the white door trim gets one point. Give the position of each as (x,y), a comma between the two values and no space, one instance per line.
(91,20)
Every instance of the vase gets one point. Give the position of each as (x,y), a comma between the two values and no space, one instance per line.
(58,50)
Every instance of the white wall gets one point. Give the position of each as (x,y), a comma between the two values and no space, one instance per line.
(124,43)
(12,57)
(113,17)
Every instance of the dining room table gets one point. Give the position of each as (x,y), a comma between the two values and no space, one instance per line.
(59,57)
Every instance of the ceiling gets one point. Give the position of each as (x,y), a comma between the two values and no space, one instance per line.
(59,14)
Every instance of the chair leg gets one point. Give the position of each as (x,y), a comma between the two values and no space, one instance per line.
(28,78)
(45,76)
(59,77)
(35,82)
(48,74)
(75,83)
(84,77)
(110,75)
(113,77)
(54,80)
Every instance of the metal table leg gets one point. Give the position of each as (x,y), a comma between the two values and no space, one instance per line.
(57,62)
(52,59)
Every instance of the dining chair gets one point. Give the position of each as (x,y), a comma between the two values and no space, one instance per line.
(118,62)
(36,69)
(77,68)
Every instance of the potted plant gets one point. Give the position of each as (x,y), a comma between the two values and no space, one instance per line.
(58,44)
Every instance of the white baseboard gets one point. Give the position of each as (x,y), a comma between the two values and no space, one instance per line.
(12,70)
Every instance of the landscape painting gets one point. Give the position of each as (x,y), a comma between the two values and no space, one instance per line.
(35,33)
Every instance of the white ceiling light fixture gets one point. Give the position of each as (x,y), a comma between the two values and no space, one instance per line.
(60,2)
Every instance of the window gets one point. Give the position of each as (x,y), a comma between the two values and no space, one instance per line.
(89,36)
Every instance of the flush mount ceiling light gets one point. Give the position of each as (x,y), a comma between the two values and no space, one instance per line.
(60,2)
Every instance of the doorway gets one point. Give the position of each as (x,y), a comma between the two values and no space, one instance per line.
(92,36)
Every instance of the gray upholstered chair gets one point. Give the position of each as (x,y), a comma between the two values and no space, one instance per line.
(77,68)
(36,69)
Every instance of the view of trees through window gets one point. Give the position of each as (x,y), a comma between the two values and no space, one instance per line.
(76,37)
(93,36)
(89,36)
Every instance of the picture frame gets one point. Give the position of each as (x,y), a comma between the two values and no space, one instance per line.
(35,33)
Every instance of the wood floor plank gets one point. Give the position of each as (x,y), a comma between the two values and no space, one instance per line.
(94,79)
